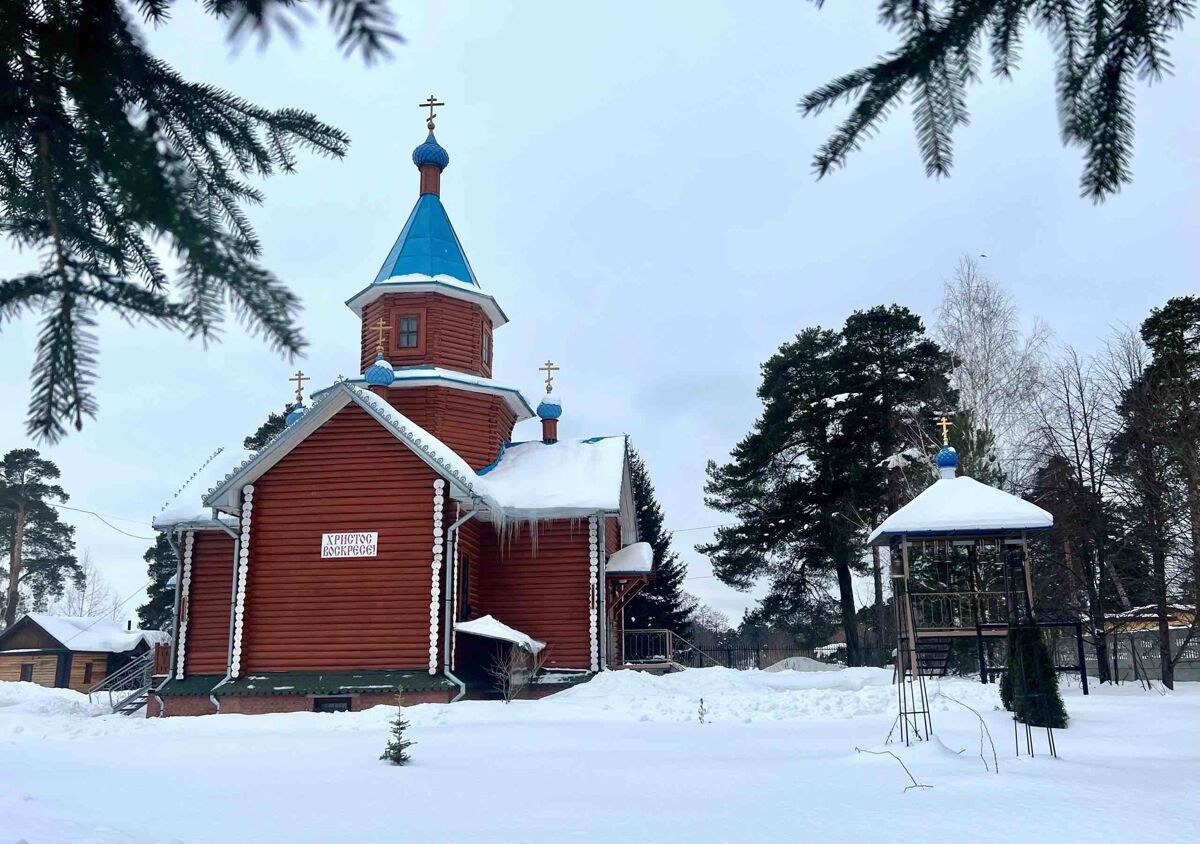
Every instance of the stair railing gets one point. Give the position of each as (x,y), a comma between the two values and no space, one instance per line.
(135,675)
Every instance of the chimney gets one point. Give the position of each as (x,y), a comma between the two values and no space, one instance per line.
(129,625)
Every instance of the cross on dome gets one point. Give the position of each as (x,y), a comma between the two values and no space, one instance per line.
(945,424)
(299,378)
(549,368)
(430,104)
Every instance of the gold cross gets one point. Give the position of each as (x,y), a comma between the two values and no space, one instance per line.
(430,104)
(381,327)
(549,369)
(945,425)
(299,378)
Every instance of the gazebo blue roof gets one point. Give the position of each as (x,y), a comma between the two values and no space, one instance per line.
(427,245)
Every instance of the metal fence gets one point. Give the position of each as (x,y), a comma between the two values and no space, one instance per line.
(650,646)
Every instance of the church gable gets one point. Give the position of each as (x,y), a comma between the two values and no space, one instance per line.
(305,611)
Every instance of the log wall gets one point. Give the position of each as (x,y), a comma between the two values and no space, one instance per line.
(206,649)
(306,613)
(475,425)
(45,667)
(451,332)
(544,594)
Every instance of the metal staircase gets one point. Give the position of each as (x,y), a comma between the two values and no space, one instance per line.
(933,655)
(129,687)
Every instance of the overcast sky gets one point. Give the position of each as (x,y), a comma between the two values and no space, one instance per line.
(632,182)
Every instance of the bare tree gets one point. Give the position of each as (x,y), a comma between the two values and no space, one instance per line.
(513,668)
(997,364)
(91,596)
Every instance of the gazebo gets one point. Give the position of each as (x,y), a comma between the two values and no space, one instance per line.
(960,567)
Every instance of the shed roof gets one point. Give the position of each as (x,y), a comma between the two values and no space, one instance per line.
(93,635)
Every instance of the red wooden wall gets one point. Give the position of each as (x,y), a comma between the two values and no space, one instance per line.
(210,596)
(544,594)
(305,613)
(452,332)
(475,425)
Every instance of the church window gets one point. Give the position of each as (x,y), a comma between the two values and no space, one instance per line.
(408,333)
(331,704)
(487,348)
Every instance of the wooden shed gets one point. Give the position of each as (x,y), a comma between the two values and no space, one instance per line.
(69,652)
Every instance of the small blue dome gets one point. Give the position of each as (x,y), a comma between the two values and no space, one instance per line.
(549,407)
(380,373)
(294,416)
(431,152)
(947,458)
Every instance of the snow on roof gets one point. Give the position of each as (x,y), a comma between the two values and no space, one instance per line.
(80,633)
(187,505)
(637,558)
(962,505)
(490,628)
(569,477)
(409,376)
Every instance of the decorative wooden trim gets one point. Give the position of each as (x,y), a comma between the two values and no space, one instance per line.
(422,317)
(239,608)
(185,586)
(593,603)
(435,589)
(453,596)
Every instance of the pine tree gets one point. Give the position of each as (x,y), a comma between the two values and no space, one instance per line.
(814,473)
(38,549)
(396,751)
(1029,687)
(275,423)
(661,604)
(159,610)
(110,159)
(1102,49)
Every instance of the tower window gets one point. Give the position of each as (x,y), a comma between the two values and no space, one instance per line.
(487,348)
(408,332)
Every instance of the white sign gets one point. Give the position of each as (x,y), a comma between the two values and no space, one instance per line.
(349,544)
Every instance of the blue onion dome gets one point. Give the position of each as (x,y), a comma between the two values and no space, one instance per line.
(549,407)
(431,152)
(380,373)
(947,458)
(296,412)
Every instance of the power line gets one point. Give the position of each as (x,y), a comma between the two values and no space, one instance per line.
(702,527)
(110,524)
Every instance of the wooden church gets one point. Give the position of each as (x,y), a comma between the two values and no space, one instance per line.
(392,535)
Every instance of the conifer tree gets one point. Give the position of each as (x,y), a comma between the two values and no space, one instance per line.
(396,751)
(37,550)
(1102,50)
(812,476)
(109,159)
(274,423)
(1029,687)
(662,603)
(158,611)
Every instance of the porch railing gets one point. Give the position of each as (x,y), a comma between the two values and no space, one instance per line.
(957,610)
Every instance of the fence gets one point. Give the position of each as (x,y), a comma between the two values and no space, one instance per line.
(649,646)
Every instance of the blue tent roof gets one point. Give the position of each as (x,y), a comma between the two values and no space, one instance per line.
(428,245)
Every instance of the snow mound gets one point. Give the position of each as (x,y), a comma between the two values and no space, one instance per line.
(32,699)
(803,663)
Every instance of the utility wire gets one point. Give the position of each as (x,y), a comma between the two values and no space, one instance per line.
(106,521)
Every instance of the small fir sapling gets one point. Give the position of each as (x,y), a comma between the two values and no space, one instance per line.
(396,751)
(1029,687)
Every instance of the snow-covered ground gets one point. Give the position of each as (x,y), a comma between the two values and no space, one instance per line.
(623,758)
